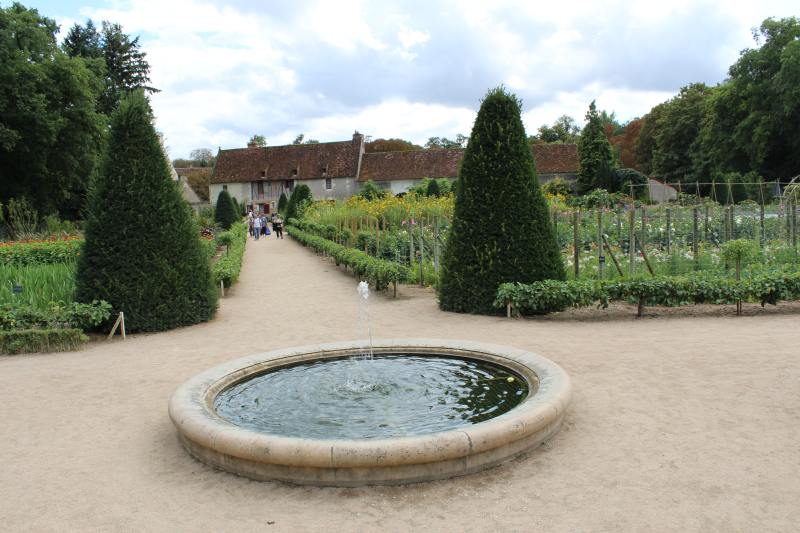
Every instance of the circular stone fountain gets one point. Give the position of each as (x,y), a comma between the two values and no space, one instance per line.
(420,410)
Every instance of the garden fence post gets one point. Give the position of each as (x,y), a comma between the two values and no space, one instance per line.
(600,257)
(705,224)
(669,229)
(643,222)
(731,213)
(632,241)
(436,244)
(555,226)
(619,226)
(575,252)
(421,253)
(695,244)
(793,205)
(763,227)
(410,244)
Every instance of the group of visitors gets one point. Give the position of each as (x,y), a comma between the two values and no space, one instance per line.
(259,224)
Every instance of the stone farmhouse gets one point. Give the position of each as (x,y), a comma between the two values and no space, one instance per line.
(336,170)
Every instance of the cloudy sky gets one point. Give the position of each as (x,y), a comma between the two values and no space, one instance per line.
(416,69)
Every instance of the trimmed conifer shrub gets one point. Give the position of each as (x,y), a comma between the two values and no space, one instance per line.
(433,189)
(142,252)
(596,158)
(225,211)
(300,194)
(501,229)
(282,201)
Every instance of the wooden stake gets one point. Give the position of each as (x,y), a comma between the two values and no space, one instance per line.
(695,244)
(576,216)
(613,258)
(221,288)
(119,322)
(632,242)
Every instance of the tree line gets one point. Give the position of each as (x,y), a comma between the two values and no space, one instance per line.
(55,104)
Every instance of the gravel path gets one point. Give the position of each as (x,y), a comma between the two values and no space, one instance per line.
(685,423)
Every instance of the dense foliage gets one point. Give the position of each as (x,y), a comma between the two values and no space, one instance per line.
(227,269)
(282,201)
(54,104)
(225,211)
(541,297)
(594,152)
(501,229)
(142,252)
(40,253)
(300,194)
(50,128)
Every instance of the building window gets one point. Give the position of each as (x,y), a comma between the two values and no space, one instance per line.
(294,172)
(328,183)
(263,173)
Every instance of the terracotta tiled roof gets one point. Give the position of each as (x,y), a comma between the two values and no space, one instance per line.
(556,158)
(411,165)
(388,166)
(322,160)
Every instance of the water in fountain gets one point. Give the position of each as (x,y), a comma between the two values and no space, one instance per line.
(359,380)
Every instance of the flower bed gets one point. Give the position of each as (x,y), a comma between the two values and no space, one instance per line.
(40,252)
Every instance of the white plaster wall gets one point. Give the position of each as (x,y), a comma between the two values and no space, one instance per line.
(240,191)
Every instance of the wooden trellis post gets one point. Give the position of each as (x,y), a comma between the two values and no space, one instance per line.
(669,229)
(600,257)
(575,252)
(695,236)
(632,242)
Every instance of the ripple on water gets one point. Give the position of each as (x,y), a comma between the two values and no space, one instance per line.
(389,396)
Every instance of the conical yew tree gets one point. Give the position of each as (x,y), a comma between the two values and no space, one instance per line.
(282,201)
(501,229)
(225,211)
(142,252)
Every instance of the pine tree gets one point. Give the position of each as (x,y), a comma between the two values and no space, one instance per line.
(596,158)
(501,229)
(282,202)
(225,211)
(142,252)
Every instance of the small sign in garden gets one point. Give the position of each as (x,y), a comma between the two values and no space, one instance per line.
(17,289)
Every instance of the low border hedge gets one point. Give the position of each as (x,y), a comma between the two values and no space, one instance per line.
(229,265)
(376,271)
(41,340)
(551,295)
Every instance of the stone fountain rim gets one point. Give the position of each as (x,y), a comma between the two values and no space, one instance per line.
(214,440)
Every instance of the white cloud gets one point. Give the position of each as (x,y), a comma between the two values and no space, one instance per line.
(417,69)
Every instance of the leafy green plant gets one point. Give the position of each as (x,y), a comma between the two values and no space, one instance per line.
(227,269)
(22,218)
(539,297)
(39,284)
(41,340)
(40,253)
(56,315)
(378,272)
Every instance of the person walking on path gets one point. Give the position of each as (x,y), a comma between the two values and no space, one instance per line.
(277,225)
(256,227)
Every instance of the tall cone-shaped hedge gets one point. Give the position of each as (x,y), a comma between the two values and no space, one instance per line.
(142,252)
(501,229)
(225,210)
(282,201)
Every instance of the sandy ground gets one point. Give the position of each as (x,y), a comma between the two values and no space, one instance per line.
(678,423)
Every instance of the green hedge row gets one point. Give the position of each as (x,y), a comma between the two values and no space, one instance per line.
(551,295)
(378,272)
(229,265)
(326,231)
(39,253)
(57,315)
(41,340)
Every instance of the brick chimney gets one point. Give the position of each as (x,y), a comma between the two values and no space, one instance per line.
(357,138)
